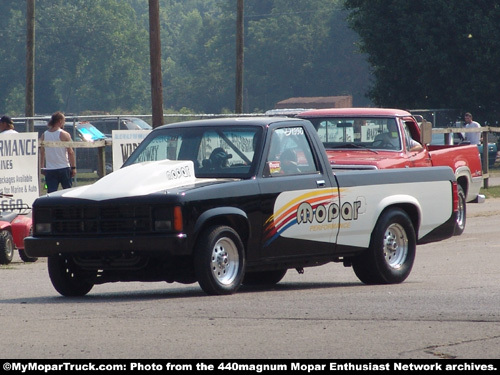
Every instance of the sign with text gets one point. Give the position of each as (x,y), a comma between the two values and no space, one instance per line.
(124,143)
(18,169)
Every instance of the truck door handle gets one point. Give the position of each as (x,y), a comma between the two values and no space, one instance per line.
(320,183)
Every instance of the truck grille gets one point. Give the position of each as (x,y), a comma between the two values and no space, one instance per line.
(125,219)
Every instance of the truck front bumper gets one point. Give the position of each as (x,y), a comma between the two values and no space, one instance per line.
(47,246)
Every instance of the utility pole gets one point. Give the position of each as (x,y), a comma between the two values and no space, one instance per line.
(29,107)
(155,62)
(239,57)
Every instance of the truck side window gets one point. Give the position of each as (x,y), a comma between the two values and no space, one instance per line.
(289,153)
(411,143)
(407,136)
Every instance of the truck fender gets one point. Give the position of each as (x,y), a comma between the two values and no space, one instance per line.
(21,228)
(231,216)
(460,174)
(5,225)
(406,202)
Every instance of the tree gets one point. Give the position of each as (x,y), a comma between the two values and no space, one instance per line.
(90,55)
(13,56)
(431,53)
(95,57)
(303,49)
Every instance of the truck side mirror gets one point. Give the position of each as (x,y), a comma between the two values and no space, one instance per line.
(425,132)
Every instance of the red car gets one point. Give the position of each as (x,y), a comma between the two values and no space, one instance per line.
(15,226)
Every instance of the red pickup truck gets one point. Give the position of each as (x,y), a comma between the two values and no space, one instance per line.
(381,138)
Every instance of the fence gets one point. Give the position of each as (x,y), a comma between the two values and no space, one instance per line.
(486,132)
(100,146)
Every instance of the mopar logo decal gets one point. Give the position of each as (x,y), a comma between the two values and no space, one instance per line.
(307,214)
(177,173)
(314,215)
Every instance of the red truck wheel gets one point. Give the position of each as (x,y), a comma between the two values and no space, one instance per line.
(391,254)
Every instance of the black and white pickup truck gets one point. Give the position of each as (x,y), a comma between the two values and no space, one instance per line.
(226,202)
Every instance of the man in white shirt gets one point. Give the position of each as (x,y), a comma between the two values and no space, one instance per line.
(473,138)
(58,163)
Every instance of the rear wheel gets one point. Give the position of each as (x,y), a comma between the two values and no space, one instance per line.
(391,254)
(67,277)
(6,247)
(219,260)
(462,210)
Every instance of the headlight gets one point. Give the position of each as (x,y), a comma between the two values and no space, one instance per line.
(43,228)
(167,219)
(163,225)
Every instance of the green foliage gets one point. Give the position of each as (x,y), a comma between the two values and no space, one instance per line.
(93,55)
(303,49)
(431,53)
(90,54)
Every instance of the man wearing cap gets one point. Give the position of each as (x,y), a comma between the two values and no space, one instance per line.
(6,125)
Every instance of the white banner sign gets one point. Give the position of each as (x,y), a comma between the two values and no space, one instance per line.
(18,169)
(124,142)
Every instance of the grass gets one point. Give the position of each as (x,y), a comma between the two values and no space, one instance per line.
(491,192)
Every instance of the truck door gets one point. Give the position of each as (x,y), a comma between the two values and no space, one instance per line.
(299,202)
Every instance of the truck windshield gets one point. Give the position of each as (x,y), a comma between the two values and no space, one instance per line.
(216,151)
(354,132)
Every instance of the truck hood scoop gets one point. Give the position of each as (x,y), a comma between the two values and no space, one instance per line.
(138,179)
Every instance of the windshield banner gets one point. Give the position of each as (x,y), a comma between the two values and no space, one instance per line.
(124,143)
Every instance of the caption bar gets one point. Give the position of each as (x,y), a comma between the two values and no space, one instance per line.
(248,366)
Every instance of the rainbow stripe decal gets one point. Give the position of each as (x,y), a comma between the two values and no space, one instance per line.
(289,211)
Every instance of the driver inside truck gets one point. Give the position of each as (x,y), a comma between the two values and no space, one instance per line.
(411,144)
(391,138)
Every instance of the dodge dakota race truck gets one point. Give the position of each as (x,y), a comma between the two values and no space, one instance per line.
(226,202)
(381,138)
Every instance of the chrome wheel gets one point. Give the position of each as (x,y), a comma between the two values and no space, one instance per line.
(461,214)
(391,254)
(219,260)
(225,261)
(395,246)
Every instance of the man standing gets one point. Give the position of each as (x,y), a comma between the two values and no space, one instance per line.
(6,125)
(58,163)
(473,138)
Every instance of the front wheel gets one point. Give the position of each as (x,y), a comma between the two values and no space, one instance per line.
(67,277)
(219,260)
(6,247)
(391,254)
